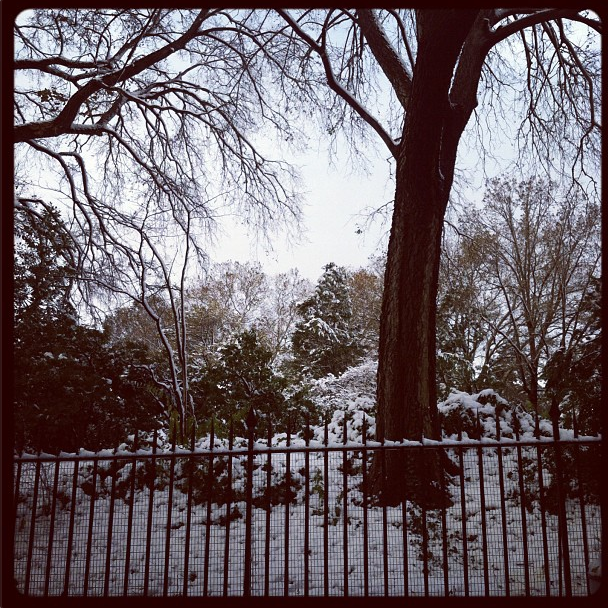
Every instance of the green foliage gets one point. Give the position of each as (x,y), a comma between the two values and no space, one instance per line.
(208,481)
(324,340)
(43,276)
(240,378)
(71,389)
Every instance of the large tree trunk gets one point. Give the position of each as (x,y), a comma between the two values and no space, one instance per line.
(407,401)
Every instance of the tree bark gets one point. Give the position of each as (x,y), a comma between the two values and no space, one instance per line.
(407,400)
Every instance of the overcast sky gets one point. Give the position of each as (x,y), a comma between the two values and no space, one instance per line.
(335,200)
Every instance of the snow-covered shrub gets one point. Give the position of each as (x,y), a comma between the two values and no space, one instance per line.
(210,482)
(281,490)
(352,394)
(476,416)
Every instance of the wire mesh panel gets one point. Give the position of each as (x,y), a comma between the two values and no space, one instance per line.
(253,518)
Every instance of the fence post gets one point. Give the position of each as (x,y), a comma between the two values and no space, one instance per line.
(326,510)
(503,512)
(250,421)
(287,503)
(463,512)
(307,507)
(152,481)
(228,508)
(345,504)
(522,505)
(268,510)
(169,514)
(365,538)
(130,516)
(30,546)
(482,501)
(581,497)
(561,497)
(189,509)
(208,520)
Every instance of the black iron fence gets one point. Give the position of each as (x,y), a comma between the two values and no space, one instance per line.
(296,517)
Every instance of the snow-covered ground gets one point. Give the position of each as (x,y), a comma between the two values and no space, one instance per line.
(370,543)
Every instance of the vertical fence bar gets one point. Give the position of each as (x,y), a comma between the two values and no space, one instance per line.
(228,508)
(30,547)
(150,512)
(287,502)
(169,516)
(406,585)
(444,535)
(482,499)
(384,521)
(16,491)
(364,483)
(87,568)
(425,538)
(425,550)
(189,512)
(106,583)
(268,513)
(501,478)
(68,558)
(581,497)
(543,516)
(49,554)
(306,508)
(562,521)
(326,512)
(208,520)
(463,511)
(522,499)
(251,421)
(345,504)
(130,514)
(97,473)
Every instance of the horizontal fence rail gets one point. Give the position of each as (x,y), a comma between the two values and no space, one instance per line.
(302,520)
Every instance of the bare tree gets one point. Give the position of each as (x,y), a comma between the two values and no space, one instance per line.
(280,311)
(152,92)
(226,301)
(539,253)
(469,319)
(153,276)
(127,111)
(141,124)
(441,69)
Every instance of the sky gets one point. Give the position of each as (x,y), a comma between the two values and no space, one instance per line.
(336,197)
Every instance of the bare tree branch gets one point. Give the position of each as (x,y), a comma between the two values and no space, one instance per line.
(333,83)
(388,58)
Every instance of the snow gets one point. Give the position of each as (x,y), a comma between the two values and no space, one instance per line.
(216,554)
(220,546)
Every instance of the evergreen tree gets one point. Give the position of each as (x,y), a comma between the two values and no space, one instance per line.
(71,389)
(325,340)
(242,377)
